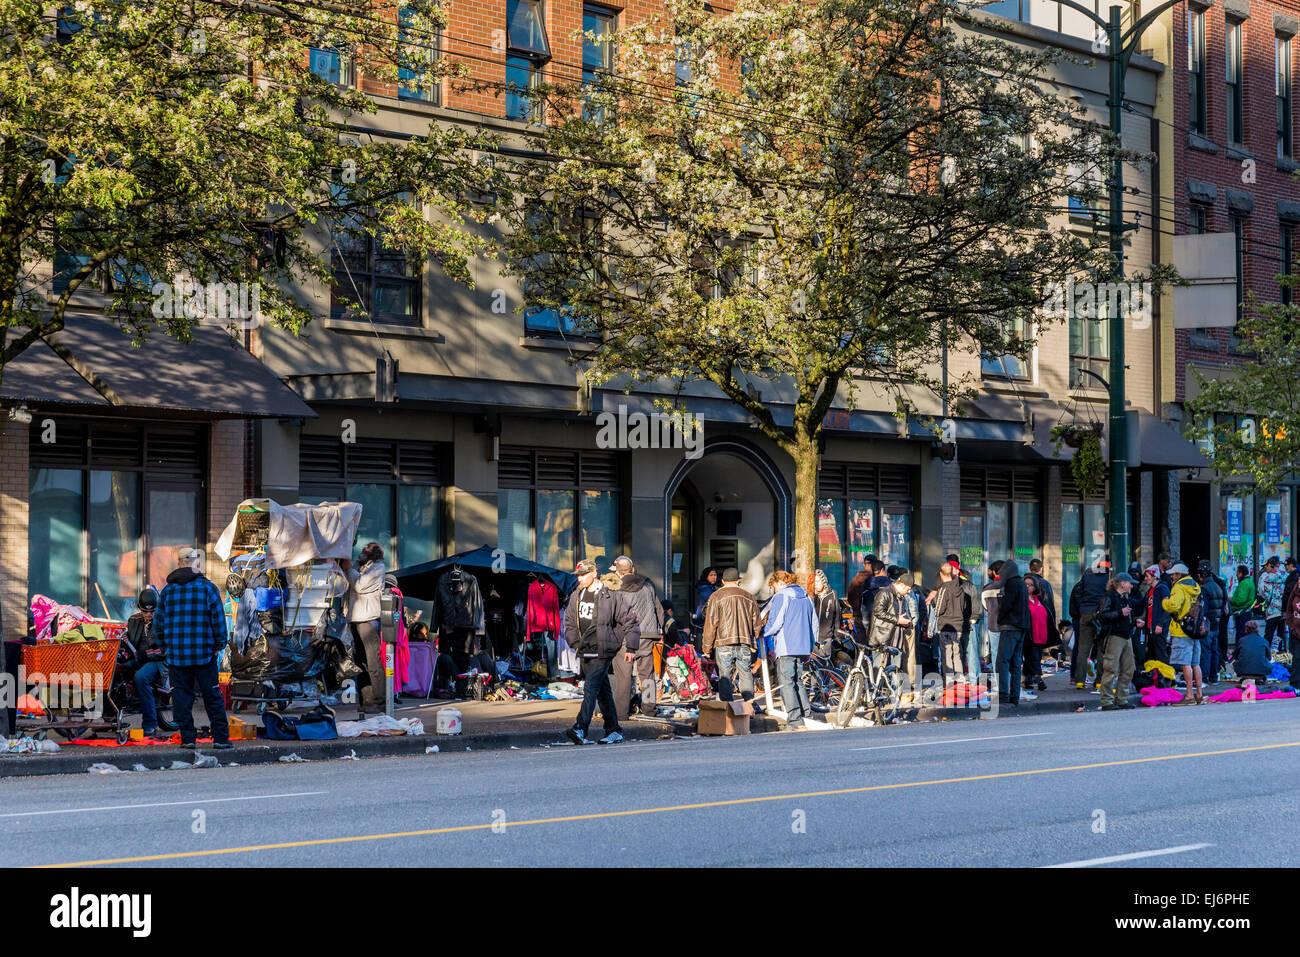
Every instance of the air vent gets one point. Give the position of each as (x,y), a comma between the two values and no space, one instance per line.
(113,445)
(599,470)
(67,451)
(515,468)
(999,485)
(420,464)
(557,469)
(319,458)
(862,481)
(972,484)
(371,462)
(895,484)
(830,480)
(1025,485)
(173,451)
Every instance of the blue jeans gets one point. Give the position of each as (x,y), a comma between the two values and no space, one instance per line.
(974,640)
(149,675)
(733,670)
(1210,655)
(794,696)
(183,681)
(1010,645)
(596,688)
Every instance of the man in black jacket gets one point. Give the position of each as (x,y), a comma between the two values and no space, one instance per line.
(951,608)
(1013,631)
(598,624)
(1085,598)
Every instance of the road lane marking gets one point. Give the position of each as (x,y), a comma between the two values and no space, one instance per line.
(1135,856)
(922,744)
(600,815)
(128,807)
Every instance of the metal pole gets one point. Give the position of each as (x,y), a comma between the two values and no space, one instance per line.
(1118,450)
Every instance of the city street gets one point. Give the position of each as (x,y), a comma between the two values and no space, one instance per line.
(1201,786)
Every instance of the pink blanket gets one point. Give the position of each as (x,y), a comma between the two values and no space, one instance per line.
(1153,697)
(1234,694)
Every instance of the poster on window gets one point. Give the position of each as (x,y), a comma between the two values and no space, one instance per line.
(829,549)
(1234,520)
(1273,521)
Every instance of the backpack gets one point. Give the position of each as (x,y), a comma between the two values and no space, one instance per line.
(316,725)
(689,673)
(1194,624)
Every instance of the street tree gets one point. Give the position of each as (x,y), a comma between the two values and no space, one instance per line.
(802,204)
(221,141)
(1249,422)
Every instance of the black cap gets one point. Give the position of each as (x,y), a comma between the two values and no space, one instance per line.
(148,598)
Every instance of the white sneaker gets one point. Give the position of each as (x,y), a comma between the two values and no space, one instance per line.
(612,738)
(812,724)
(1027,696)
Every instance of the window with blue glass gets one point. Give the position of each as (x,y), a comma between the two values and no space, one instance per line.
(415,78)
(332,63)
(1006,365)
(597,50)
(527,50)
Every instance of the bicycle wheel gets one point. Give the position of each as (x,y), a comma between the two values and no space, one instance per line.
(812,683)
(854,688)
(887,698)
(833,685)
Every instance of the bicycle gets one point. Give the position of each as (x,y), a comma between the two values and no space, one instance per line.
(877,687)
(823,678)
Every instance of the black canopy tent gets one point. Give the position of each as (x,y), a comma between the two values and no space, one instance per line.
(485,563)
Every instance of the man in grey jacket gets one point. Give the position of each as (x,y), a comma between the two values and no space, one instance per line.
(644,603)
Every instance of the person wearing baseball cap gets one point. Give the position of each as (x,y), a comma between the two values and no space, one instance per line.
(190,627)
(1114,624)
(598,624)
(1186,612)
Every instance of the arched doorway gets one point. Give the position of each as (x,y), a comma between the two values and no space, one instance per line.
(731,506)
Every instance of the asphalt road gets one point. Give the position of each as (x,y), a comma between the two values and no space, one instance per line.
(1202,786)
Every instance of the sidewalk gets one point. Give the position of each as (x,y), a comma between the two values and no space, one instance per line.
(488,725)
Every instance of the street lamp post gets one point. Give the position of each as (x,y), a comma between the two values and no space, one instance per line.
(1122,44)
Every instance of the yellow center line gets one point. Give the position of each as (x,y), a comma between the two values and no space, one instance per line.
(601,815)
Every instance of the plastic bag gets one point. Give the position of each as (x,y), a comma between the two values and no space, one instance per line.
(296,656)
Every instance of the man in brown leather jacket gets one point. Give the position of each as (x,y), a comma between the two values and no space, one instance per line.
(731,627)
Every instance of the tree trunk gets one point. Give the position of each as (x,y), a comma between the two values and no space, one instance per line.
(804,452)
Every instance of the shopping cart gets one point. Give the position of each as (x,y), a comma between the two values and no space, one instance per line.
(73,681)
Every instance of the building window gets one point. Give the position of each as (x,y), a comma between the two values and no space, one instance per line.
(862,510)
(1196,70)
(1283,92)
(398,484)
(1233,74)
(1089,349)
(1083,541)
(110,505)
(414,79)
(563,321)
(1001,518)
(555,506)
(334,64)
(1197,219)
(527,50)
(384,283)
(597,47)
(1007,366)
(1288,254)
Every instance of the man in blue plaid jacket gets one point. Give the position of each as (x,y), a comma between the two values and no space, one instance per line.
(190,624)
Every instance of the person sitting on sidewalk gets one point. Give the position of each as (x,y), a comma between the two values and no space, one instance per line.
(1251,661)
(150,663)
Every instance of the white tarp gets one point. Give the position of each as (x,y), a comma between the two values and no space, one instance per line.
(300,533)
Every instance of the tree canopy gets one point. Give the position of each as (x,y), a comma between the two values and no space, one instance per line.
(217,140)
(820,196)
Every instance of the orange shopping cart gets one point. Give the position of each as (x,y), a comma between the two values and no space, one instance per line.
(73,681)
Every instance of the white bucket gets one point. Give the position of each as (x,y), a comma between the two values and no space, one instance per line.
(449,721)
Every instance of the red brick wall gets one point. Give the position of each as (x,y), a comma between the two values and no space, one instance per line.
(1262,235)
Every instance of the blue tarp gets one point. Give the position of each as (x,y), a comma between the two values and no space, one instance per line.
(421,581)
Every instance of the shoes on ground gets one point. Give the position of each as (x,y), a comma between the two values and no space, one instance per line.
(612,738)
(1042,685)
(167,725)
(1028,695)
(576,736)
(1125,706)
(222,745)
(1078,685)
(1110,707)
(189,745)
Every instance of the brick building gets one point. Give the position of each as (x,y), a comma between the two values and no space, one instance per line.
(1231,138)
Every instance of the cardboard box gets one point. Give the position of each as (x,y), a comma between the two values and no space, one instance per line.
(724,717)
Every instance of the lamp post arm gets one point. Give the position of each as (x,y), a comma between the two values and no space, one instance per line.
(1134,33)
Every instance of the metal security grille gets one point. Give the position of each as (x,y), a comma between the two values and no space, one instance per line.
(178,451)
(999,485)
(890,483)
(325,460)
(558,469)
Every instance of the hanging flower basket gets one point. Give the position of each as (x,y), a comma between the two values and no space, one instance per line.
(1074,435)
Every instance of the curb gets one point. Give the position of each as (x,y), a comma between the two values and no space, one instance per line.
(12,766)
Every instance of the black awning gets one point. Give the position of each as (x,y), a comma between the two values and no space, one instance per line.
(211,374)
(40,377)
(1160,446)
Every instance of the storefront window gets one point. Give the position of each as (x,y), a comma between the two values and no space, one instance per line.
(54,535)
(830,542)
(376,524)
(999,531)
(1275,527)
(420,535)
(600,527)
(173,525)
(1071,551)
(895,538)
(114,526)
(555,528)
(515,521)
(1236,534)
(1026,545)
(861,535)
